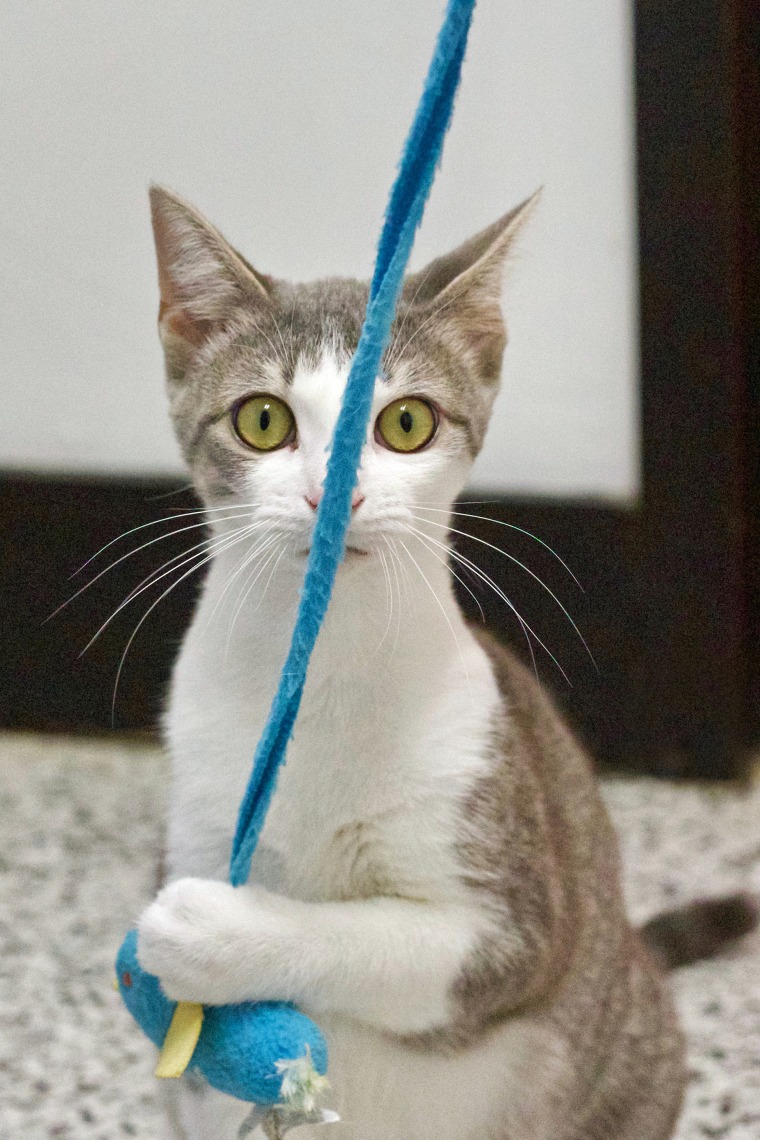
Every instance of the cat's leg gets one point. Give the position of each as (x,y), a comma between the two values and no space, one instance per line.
(389,962)
(639,1091)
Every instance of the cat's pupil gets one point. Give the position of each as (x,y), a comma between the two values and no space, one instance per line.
(264,419)
(406,421)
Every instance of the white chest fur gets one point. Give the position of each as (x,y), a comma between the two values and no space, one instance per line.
(385,746)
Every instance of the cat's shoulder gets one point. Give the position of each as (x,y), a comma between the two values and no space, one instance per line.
(518,686)
(530,727)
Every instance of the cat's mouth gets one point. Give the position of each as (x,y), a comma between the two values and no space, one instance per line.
(351,552)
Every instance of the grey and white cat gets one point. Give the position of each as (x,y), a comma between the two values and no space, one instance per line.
(438,881)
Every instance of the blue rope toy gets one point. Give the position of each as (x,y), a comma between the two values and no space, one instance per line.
(268,1052)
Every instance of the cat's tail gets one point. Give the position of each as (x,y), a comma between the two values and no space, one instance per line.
(700,929)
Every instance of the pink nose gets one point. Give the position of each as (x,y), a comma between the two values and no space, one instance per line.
(314,498)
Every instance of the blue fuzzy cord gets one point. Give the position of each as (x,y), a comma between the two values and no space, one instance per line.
(419,160)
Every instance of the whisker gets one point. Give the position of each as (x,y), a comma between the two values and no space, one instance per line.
(388,600)
(214,546)
(440,606)
(436,312)
(526,628)
(207,542)
(260,602)
(394,349)
(156,522)
(517,562)
(201,562)
(462,503)
(264,591)
(405,575)
(420,536)
(511,526)
(168,494)
(396,563)
(154,575)
(271,541)
(124,557)
(527,631)
(241,349)
(242,563)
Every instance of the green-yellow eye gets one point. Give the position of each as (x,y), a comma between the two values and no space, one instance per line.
(264,423)
(406,425)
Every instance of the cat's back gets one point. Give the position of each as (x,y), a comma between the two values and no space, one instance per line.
(540,762)
(607,1000)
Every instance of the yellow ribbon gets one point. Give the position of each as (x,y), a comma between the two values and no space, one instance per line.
(181,1039)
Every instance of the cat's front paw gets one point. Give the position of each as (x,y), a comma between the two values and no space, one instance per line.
(206,941)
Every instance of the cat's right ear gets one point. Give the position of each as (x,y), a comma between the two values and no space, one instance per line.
(203,281)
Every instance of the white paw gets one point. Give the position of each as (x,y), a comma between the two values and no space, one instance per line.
(207,941)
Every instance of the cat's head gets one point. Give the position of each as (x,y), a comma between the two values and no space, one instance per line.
(256,369)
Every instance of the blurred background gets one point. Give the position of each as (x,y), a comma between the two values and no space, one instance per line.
(285,132)
(623,433)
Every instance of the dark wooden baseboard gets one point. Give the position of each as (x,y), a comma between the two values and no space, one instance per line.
(668,704)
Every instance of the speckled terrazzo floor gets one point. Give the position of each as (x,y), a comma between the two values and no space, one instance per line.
(81,828)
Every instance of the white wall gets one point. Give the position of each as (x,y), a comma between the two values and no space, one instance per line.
(283,121)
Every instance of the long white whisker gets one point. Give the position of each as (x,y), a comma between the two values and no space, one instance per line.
(241,348)
(396,563)
(207,543)
(123,558)
(440,606)
(260,602)
(251,580)
(437,311)
(241,565)
(511,526)
(526,629)
(421,537)
(517,562)
(199,563)
(213,547)
(278,330)
(388,600)
(157,522)
(393,354)
(168,494)
(405,575)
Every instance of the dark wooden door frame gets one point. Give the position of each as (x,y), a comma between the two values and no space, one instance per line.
(693,668)
(671,606)
(747,128)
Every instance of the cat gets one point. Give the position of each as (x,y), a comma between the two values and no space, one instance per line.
(438,882)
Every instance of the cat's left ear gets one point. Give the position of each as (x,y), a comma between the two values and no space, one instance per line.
(460,293)
(203,281)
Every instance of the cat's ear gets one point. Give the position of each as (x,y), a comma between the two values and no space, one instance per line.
(203,281)
(461,291)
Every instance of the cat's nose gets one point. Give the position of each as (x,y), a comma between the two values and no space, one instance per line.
(314,498)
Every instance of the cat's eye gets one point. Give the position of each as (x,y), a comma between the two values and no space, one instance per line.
(406,425)
(264,423)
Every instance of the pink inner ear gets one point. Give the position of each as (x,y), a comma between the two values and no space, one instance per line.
(177,321)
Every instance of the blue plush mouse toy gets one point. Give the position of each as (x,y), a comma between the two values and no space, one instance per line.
(242,1050)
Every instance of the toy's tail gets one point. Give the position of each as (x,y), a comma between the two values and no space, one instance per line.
(700,930)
